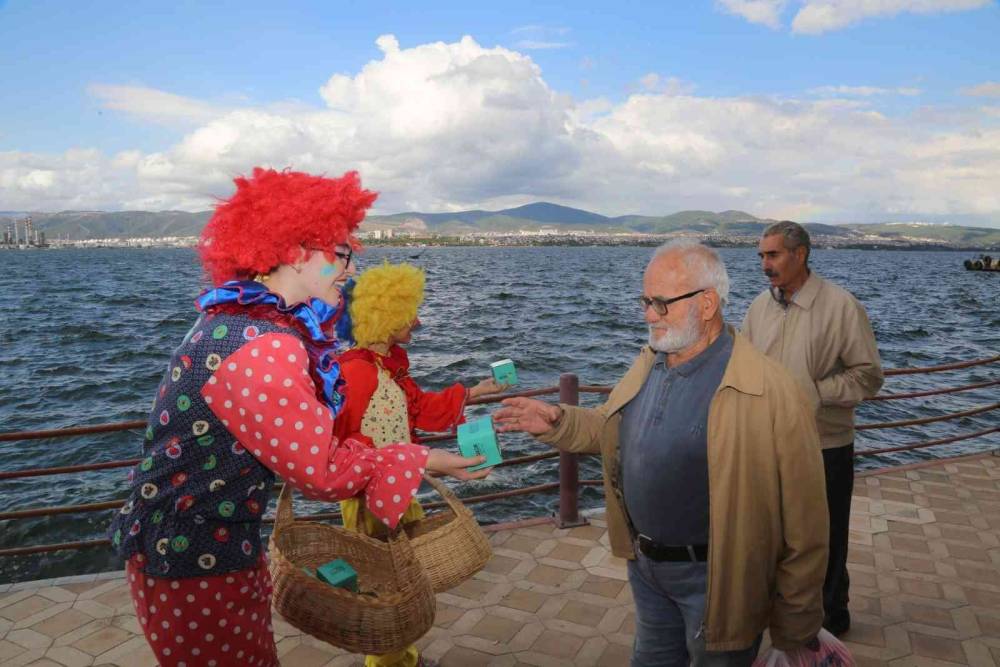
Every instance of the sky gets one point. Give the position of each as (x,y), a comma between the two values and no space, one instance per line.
(813,110)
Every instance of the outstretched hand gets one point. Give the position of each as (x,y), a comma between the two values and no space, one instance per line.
(484,387)
(454,465)
(527,414)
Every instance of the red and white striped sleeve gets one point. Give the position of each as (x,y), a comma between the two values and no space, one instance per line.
(264,395)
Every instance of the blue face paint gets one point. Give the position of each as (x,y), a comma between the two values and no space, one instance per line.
(328,270)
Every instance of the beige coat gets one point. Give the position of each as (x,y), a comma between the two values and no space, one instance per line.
(768,525)
(826,342)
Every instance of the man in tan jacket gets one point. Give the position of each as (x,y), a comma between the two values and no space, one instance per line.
(821,334)
(712,476)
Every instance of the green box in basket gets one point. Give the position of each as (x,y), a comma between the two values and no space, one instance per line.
(504,372)
(477,438)
(338,573)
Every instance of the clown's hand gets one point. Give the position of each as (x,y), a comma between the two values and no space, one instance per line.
(489,386)
(454,465)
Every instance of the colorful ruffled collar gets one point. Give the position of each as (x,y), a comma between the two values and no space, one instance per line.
(317,316)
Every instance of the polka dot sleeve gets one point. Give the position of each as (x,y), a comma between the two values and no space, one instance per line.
(265,397)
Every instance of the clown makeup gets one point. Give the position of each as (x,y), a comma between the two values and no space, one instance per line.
(324,273)
(339,260)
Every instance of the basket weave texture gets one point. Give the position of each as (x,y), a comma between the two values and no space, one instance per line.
(395,604)
(449,544)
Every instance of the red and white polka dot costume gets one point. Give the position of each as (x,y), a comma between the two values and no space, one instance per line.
(250,393)
(205,621)
(263,394)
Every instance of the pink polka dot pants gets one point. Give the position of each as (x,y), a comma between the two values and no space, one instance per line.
(206,621)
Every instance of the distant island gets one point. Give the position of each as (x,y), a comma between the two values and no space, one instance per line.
(540,223)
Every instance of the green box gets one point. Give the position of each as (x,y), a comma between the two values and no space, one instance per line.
(477,438)
(504,372)
(338,573)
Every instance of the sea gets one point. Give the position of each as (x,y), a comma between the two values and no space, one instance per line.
(85,335)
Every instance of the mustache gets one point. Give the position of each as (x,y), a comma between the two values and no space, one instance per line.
(770,274)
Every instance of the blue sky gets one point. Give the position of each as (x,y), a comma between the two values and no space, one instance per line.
(812,109)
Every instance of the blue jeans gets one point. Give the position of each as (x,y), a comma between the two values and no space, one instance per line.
(669,610)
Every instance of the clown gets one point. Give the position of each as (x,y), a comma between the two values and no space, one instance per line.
(253,391)
(384,405)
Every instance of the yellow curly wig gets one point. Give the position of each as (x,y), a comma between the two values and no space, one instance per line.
(384,301)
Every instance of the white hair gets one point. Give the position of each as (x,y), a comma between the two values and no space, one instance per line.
(703,264)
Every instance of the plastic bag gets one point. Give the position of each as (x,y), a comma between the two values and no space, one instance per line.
(828,652)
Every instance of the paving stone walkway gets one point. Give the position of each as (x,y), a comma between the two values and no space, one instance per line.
(925,575)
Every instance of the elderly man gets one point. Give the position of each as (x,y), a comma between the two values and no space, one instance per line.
(712,475)
(821,334)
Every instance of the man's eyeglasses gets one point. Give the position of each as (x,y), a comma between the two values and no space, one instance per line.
(659,305)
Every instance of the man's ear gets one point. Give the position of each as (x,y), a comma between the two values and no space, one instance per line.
(302,259)
(802,253)
(712,304)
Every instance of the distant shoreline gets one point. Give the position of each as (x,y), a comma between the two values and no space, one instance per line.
(418,245)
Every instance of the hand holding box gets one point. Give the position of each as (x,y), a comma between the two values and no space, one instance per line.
(504,372)
(477,438)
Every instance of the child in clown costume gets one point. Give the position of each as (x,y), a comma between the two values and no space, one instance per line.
(383,403)
(253,391)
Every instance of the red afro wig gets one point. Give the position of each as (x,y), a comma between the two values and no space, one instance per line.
(273,215)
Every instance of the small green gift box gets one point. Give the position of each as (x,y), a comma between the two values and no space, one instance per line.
(477,438)
(338,573)
(504,372)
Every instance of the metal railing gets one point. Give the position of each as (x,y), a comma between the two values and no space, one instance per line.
(569,484)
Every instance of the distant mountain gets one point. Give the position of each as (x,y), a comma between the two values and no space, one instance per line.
(76,225)
(984,236)
(539,213)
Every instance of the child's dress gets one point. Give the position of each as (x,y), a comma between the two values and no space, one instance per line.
(384,406)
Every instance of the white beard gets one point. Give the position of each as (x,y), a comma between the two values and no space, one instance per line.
(676,339)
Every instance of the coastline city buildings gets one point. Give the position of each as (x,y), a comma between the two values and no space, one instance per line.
(22,234)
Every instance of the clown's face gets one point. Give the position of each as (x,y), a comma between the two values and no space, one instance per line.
(324,273)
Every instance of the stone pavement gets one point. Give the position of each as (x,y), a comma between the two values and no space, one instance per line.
(925,571)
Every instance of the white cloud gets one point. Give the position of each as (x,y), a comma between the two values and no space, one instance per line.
(155,105)
(764,12)
(671,85)
(864,91)
(985,89)
(535,45)
(818,16)
(540,38)
(446,126)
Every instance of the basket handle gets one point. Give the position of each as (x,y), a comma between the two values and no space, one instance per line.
(449,496)
(283,513)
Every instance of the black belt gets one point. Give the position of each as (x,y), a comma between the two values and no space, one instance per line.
(665,552)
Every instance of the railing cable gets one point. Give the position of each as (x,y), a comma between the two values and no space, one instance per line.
(928,420)
(928,443)
(942,367)
(932,392)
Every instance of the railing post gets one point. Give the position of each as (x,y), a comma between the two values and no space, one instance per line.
(569,464)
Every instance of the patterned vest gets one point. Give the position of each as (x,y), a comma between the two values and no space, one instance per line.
(198,495)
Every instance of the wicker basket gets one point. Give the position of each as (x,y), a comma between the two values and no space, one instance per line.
(395,605)
(449,544)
